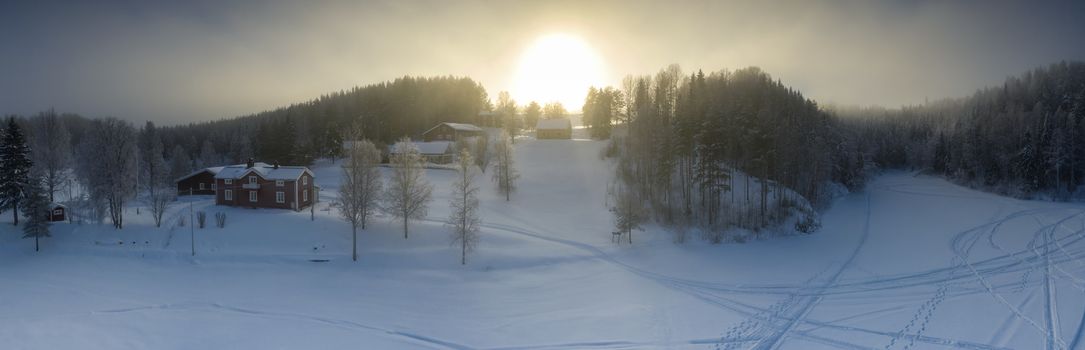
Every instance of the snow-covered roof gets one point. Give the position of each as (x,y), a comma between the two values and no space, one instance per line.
(57,205)
(266,171)
(554,124)
(457,127)
(432,147)
(213,170)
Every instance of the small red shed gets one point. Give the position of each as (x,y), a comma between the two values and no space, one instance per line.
(57,212)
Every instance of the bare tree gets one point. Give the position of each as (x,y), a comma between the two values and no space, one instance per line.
(51,151)
(160,201)
(506,110)
(481,152)
(107,166)
(408,193)
(463,218)
(154,172)
(505,173)
(360,187)
(626,206)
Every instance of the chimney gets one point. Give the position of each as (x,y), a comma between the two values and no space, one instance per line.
(275,164)
(250,163)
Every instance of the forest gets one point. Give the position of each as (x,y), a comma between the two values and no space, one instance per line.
(1024,139)
(707,152)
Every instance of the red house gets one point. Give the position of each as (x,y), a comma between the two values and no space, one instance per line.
(258,185)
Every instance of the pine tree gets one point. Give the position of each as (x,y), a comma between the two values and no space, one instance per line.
(15,167)
(36,211)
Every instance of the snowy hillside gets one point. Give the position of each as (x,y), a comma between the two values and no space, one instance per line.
(914,262)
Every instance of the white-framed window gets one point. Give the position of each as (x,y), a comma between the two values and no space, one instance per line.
(214,186)
(58,212)
(252,179)
(228,181)
(203,186)
(280,197)
(252,196)
(228,195)
(305,195)
(280,183)
(304,180)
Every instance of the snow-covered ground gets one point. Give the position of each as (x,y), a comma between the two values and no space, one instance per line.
(913,262)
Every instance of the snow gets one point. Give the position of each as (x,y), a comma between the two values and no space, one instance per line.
(457,126)
(265,171)
(553,124)
(427,148)
(214,170)
(912,262)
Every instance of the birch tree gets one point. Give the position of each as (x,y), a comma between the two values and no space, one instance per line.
(463,219)
(107,166)
(408,194)
(155,173)
(505,173)
(360,187)
(51,151)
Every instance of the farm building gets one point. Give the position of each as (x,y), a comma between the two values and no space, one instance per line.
(198,182)
(259,185)
(561,128)
(437,152)
(57,212)
(451,132)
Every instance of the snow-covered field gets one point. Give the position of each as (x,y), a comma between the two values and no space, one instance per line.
(913,262)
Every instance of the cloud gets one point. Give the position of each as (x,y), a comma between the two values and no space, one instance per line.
(190,61)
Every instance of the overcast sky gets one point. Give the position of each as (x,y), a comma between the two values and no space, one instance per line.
(175,62)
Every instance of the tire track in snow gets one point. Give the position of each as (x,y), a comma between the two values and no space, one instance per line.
(774,341)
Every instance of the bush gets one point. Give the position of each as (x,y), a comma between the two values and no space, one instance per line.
(180,221)
(220,219)
(201,219)
(807,224)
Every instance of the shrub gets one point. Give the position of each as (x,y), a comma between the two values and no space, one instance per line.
(220,219)
(201,219)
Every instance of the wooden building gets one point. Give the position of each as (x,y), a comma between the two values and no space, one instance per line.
(198,182)
(57,212)
(258,185)
(451,132)
(436,152)
(561,128)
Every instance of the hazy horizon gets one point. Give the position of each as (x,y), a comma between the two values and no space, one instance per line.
(196,61)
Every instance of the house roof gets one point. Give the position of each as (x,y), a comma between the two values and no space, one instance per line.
(427,148)
(457,127)
(554,124)
(264,170)
(213,170)
(57,205)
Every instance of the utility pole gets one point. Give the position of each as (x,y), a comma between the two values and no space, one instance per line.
(191,229)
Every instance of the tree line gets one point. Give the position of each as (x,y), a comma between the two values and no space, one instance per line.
(1025,138)
(728,149)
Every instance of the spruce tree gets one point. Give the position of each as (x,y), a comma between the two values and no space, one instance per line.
(36,211)
(15,166)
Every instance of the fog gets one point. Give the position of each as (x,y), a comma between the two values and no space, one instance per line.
(176,63)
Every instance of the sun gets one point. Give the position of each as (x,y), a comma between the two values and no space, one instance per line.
(557,67)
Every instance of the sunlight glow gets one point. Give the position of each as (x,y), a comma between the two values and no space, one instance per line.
(557,67)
